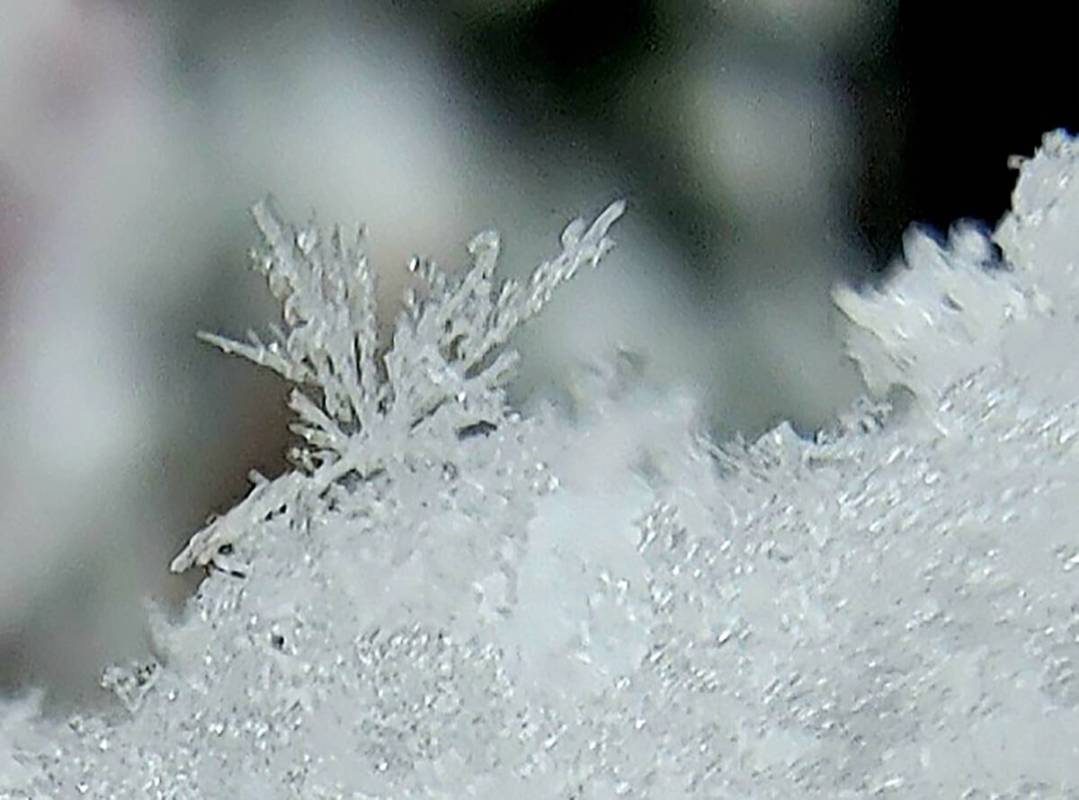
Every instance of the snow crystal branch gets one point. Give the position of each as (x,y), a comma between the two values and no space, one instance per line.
(443,373)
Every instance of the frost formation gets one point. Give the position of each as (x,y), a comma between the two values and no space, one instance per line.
(612,607)
(442,376)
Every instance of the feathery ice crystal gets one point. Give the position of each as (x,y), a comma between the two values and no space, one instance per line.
(446,600)
(443,375)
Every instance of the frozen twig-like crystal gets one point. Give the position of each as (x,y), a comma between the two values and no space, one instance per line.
(442,374)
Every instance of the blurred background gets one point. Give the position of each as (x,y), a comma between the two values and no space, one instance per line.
(768,149)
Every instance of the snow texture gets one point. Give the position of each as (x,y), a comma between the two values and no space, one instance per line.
(446,600)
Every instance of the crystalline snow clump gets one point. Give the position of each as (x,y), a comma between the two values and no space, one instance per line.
(446,600)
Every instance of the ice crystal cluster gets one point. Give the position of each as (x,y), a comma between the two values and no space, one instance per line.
(447,600)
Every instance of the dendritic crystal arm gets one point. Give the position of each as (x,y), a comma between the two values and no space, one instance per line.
(443,373)
(264,499)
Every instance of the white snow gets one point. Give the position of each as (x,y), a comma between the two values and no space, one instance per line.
(612,607)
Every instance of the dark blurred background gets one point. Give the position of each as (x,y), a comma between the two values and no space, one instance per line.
(768,149)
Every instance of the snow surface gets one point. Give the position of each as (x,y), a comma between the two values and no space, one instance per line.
(610,606)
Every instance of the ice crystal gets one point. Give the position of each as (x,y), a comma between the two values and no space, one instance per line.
(358,408)
(613,607)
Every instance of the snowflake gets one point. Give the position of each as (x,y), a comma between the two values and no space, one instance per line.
(358,408)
